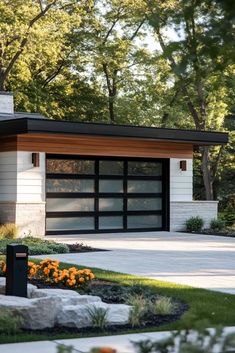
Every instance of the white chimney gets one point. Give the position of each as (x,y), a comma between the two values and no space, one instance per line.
(6,103)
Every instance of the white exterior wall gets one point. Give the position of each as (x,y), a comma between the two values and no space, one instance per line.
(22,192)
(181,182)
(30,179)
(182,205)
(8,176)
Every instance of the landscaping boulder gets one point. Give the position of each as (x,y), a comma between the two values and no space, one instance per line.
(78,316)
(36,314)
(61,293)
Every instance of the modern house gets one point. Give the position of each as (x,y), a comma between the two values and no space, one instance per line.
(60,177)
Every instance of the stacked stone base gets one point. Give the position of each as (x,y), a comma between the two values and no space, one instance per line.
(29,217)
(180,211)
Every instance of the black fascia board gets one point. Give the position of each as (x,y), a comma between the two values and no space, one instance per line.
(30,125)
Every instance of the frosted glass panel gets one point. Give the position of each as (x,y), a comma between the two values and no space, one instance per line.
(68,205)
(111,167)
(144,186)
(151,221)
(110,186)
(78,223)
(144,168)
(70,166)
(108,204)
(70,185)
(144,204)
(114,222)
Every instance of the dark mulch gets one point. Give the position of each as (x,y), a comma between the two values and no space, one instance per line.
(80,247)
(112,292)
(224,233)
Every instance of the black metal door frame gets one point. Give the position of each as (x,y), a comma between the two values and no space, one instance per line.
(96,213)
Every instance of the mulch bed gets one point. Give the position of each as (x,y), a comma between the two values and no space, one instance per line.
(80,248)
(211,232)
(100,288)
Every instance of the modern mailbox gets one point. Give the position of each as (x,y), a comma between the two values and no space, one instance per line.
(17,269)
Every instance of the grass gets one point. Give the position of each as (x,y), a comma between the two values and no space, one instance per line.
(214,308)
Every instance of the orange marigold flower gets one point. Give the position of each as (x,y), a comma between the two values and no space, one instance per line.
(107,350)
(81,279)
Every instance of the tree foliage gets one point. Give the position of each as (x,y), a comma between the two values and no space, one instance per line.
(145,62)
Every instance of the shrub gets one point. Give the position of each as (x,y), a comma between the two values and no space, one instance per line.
(217,224)
(162,306)
(9,323)
(139,308)
(8,231)
(194,224)
(98,317)
(36,246)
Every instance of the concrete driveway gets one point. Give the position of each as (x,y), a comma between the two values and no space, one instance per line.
(195,260)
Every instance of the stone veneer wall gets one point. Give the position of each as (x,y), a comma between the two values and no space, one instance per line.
(180,211)
(22,192)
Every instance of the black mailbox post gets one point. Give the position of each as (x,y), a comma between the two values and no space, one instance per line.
(17,270)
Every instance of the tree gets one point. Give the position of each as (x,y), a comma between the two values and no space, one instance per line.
(201,65)
(28,26)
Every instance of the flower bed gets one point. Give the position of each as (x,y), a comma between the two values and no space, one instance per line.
(48,271)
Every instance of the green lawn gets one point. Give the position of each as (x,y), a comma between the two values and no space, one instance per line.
(213,308)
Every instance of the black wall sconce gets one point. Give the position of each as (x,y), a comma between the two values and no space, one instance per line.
(36,159)
(183,165)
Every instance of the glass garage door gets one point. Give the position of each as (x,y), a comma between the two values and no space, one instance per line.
(102,195)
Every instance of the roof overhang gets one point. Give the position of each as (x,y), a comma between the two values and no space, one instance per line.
(30,125)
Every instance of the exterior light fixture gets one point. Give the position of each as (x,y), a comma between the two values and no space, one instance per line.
(36,159)
(183,165)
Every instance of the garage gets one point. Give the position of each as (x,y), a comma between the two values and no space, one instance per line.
(91,194)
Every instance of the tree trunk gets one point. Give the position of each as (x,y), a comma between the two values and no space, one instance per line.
(207,180)
(111,109)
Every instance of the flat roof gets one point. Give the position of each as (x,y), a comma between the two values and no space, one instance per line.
(26,125)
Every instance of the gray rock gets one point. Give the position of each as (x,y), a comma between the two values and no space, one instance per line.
(82,299)
(59,293)
(74,316)
(36,314)
(78,316)
(2,285)
(118,314)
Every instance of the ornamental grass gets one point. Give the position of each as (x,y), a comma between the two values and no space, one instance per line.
(49,271)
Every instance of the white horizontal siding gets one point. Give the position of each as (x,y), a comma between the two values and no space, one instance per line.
(30,179)
(8,176)
(181,182)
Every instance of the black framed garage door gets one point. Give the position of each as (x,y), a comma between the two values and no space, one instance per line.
(89,194)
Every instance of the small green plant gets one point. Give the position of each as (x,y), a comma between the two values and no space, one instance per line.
(8,231)
(98,317)
(217,224)
(10,324)
(194,224)
(162,306)
(61,348)
(139,308)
